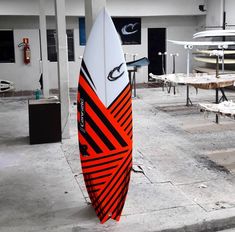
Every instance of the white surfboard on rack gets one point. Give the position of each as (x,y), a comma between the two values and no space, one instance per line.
(214,33)
(213,52)
(212,60)
(203,43)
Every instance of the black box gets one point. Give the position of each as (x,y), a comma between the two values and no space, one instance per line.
(44,121)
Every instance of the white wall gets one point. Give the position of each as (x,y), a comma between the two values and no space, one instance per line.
(154,7)
(116,7)
(214,15)
(178,24)
(25,77)
(230,16)
(177,27)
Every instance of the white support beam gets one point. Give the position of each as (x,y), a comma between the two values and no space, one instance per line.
(43,50)
(63,73)
(92,8)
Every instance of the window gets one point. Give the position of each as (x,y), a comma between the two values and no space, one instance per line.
(82,31)
(51,45)
(7,52)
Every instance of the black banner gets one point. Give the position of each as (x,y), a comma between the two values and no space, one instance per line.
(129,30)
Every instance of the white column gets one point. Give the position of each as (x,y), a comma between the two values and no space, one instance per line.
(92,8)
(43,44)
(63,73)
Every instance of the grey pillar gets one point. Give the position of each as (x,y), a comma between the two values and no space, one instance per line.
(63,75)
(43,43)
(92,8)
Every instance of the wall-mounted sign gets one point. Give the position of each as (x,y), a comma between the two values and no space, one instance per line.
(129,30)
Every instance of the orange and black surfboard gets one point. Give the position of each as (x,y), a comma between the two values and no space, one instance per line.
(105,120)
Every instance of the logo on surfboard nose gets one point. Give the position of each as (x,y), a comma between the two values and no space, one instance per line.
(113,75)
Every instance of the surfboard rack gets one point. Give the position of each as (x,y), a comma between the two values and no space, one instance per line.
(226,108)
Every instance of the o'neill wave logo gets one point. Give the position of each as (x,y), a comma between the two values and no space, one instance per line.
(129,29)
(115,73)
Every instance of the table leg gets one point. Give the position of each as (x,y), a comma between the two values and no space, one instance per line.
(217,101)
(188,101)
(134,84)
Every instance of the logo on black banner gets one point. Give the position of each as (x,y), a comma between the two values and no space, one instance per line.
(115,73)
(129,29)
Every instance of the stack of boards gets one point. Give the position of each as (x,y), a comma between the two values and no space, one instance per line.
(229,58)
(105,120)
(212,59)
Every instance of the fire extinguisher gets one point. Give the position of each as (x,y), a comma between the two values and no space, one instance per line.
(27,52)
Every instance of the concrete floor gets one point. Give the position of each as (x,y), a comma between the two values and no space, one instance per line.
(183,176)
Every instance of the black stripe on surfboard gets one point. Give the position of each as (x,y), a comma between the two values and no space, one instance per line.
(98,131)
(86,72)
(128,116)
(119,208)
(83,149)
(128,125)
(103,157)
(96,184)
(104,163)
(121,101)
(103,118)
(101,170)
(84,77)
(124,104)
(119,96)
(114,200)
(129,132)
(87,82)
(96,178)
(92,191)
(116,184)
(90,141)
(124,114)
(113,177)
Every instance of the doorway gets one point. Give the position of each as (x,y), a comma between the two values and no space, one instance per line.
(156,44)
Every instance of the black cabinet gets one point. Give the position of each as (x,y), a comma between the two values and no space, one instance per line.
(44,121)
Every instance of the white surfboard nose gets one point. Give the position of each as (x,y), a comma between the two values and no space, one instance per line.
(104,59)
